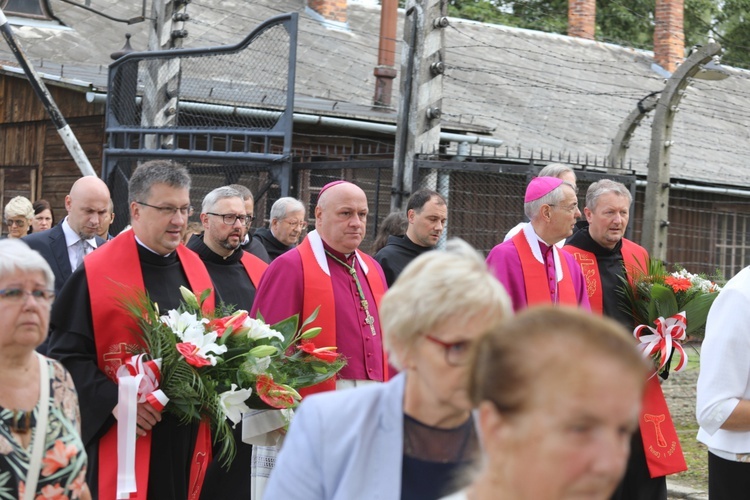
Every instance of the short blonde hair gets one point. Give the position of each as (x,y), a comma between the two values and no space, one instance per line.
(19,207)
(436,286)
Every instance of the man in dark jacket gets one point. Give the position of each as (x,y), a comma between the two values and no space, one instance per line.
(427,213)
(285,228)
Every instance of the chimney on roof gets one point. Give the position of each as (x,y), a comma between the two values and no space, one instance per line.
(669,34)
(331,10)
(582,18)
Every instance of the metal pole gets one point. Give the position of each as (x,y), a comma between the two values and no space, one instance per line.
(656,207)
(66,134)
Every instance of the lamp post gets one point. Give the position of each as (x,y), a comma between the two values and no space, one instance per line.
(656,209)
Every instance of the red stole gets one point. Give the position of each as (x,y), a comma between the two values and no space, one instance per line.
(113,333)
(634,259)
(660,442)
(254,267)
(318,291)
(535,276)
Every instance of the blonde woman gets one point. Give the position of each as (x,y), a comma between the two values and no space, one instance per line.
(18,215)
(410,437)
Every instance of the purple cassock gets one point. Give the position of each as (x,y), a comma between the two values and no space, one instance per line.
(280,295)
(505,263)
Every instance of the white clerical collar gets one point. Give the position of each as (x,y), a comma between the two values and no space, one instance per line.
(137,240)
(316,243)
(533,240)
(71,237)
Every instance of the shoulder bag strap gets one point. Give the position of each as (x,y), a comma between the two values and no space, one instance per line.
(40,433)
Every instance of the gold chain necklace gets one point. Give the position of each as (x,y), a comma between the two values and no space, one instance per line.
(369,319)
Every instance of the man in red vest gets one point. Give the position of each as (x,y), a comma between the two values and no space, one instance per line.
(92,335)
(236,275)
(529,265)
(606,257)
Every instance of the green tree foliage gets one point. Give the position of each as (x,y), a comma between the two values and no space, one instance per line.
(732,32)
(623,22)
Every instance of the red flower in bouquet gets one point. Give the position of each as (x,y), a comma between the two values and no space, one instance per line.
(213,369)
(232,323)
(276,395)
(676,303)
(678,284)
(190,353)
(326,354)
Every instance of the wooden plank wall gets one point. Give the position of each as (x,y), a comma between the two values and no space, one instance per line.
(33,159)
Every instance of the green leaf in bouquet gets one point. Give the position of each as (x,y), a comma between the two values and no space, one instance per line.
(631,305)
(311,333)
(262,351)
(663,302)
(189,299)
(696,311)
(204,295)
(288,328)
(310,318)
(221,431)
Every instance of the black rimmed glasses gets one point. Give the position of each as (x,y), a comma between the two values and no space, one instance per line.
(456,353)
(185,211)
(18,295)
(230,219)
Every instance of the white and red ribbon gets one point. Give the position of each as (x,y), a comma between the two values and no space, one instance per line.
(661,341)
(138,382)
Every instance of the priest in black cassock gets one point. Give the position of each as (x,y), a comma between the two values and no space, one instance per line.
(235,274)
(92,336)
(426,213)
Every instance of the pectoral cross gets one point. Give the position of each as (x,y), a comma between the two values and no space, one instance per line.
(370,321)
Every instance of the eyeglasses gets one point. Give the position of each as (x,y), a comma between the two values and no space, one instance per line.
(299,223)
(230,219)
(170,211)
(15,222)
(19,295)
(456,353)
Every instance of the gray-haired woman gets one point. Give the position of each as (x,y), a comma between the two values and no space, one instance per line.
(41,453)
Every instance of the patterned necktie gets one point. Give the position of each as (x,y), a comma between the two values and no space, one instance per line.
(82,248)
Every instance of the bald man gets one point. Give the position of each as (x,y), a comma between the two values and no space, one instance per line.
(329,271)
(65,245)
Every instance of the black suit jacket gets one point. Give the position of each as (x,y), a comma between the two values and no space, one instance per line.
(51,244)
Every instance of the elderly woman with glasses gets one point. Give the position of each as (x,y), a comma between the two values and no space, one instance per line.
(410,437)
(18,214)
(558,392)
(41,453)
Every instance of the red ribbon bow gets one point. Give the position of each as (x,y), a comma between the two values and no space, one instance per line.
(663,339)
(148,388)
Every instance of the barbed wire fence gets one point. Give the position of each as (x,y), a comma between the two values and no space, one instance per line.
(548,97)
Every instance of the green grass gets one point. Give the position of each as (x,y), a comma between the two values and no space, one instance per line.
(696,453)
(696,457)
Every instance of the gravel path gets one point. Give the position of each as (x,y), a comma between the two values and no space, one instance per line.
(679,390)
